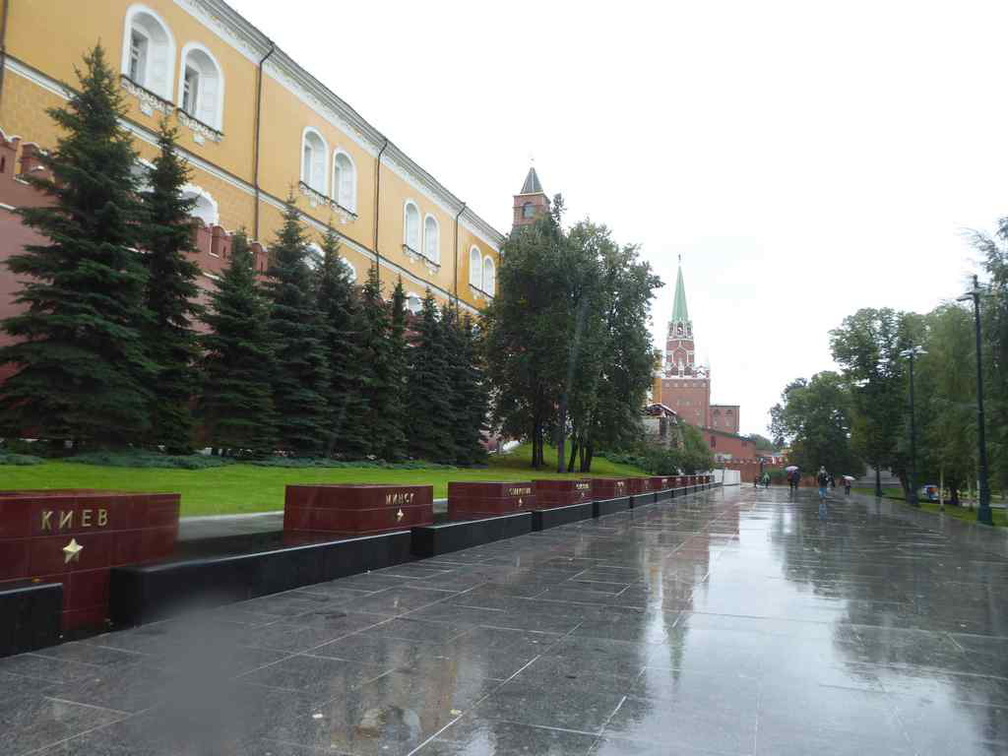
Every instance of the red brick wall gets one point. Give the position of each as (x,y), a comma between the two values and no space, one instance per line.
(689,397)
(738,448)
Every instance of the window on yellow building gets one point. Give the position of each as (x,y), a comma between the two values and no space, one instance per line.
(475,267)
(432,239)
(488,275)
(313,160)
(148,51)
(201,86)
(411,226)
(344,181)
(138,57)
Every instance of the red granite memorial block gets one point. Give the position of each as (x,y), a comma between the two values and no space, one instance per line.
(471,501)
(354,510)
(641,485)
(562,492)
(73,537)
(610,488)
(662,483)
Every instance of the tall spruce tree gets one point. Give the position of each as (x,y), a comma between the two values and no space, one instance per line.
(171,295)
(82,367)
(382,421)
(340,306)
(236,401)
(429,409)
(301,372)
(470,393)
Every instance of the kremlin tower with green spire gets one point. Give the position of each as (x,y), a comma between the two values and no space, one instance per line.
(683,385)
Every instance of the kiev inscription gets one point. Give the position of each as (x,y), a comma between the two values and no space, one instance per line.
(86,518)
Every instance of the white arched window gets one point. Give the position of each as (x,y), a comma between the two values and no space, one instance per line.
(488,275)
(432,239)
(201,86)
(148,57)
(411,226)
(344,182)
(315,255)
(313,160)
(414,303)
(351,273)
(204,206)
(475,267)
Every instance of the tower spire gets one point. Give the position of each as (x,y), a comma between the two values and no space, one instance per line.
(680,314)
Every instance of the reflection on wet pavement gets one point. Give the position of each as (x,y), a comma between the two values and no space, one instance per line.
(730,622)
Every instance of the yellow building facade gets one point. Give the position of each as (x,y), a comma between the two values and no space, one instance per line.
(252,125)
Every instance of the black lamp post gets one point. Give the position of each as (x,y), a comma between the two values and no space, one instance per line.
(984,513)
(912,493)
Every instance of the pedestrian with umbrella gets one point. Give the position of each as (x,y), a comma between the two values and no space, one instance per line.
(847,480)
(793,476)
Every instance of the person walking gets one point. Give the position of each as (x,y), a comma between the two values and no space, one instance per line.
(823,480)
(846,486)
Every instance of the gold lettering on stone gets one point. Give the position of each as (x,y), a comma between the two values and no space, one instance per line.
(66,519)
(519,491)
(102,518)
(47,520)
(582,486)
(399,498)
(85,518)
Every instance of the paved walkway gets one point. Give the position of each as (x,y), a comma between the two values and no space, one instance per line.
(729,622)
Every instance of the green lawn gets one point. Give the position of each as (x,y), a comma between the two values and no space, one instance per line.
(960,513)
(248,488)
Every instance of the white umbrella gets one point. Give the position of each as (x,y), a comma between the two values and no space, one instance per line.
(849,477)
(791,468)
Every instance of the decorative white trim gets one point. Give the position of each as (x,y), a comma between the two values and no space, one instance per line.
(147,136)
(236,31)
(149,101)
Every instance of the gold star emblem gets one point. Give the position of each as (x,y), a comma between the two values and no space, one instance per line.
(399,515)
(72,551)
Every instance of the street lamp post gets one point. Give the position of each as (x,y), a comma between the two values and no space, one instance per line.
(912,493)
(984,514)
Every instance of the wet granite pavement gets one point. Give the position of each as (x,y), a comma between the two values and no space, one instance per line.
(727,622)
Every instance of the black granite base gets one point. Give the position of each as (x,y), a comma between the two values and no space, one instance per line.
(30,617)
(604,507)
(665,493)
(144,593)
(432,540)
(550,518)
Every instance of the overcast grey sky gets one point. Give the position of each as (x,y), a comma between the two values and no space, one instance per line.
(805,158)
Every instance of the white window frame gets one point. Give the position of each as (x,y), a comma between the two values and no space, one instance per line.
(215,118)
(203,196)
(312,131)
(348,202)
(435,255)
(476,271)
(413,296)
(419,226)
(162,89)
(489,286)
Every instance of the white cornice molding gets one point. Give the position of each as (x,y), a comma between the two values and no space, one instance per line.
(232,28)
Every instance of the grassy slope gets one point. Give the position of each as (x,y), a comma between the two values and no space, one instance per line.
(960,513)
(247,488)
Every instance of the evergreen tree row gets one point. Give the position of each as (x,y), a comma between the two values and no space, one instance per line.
(303,362)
